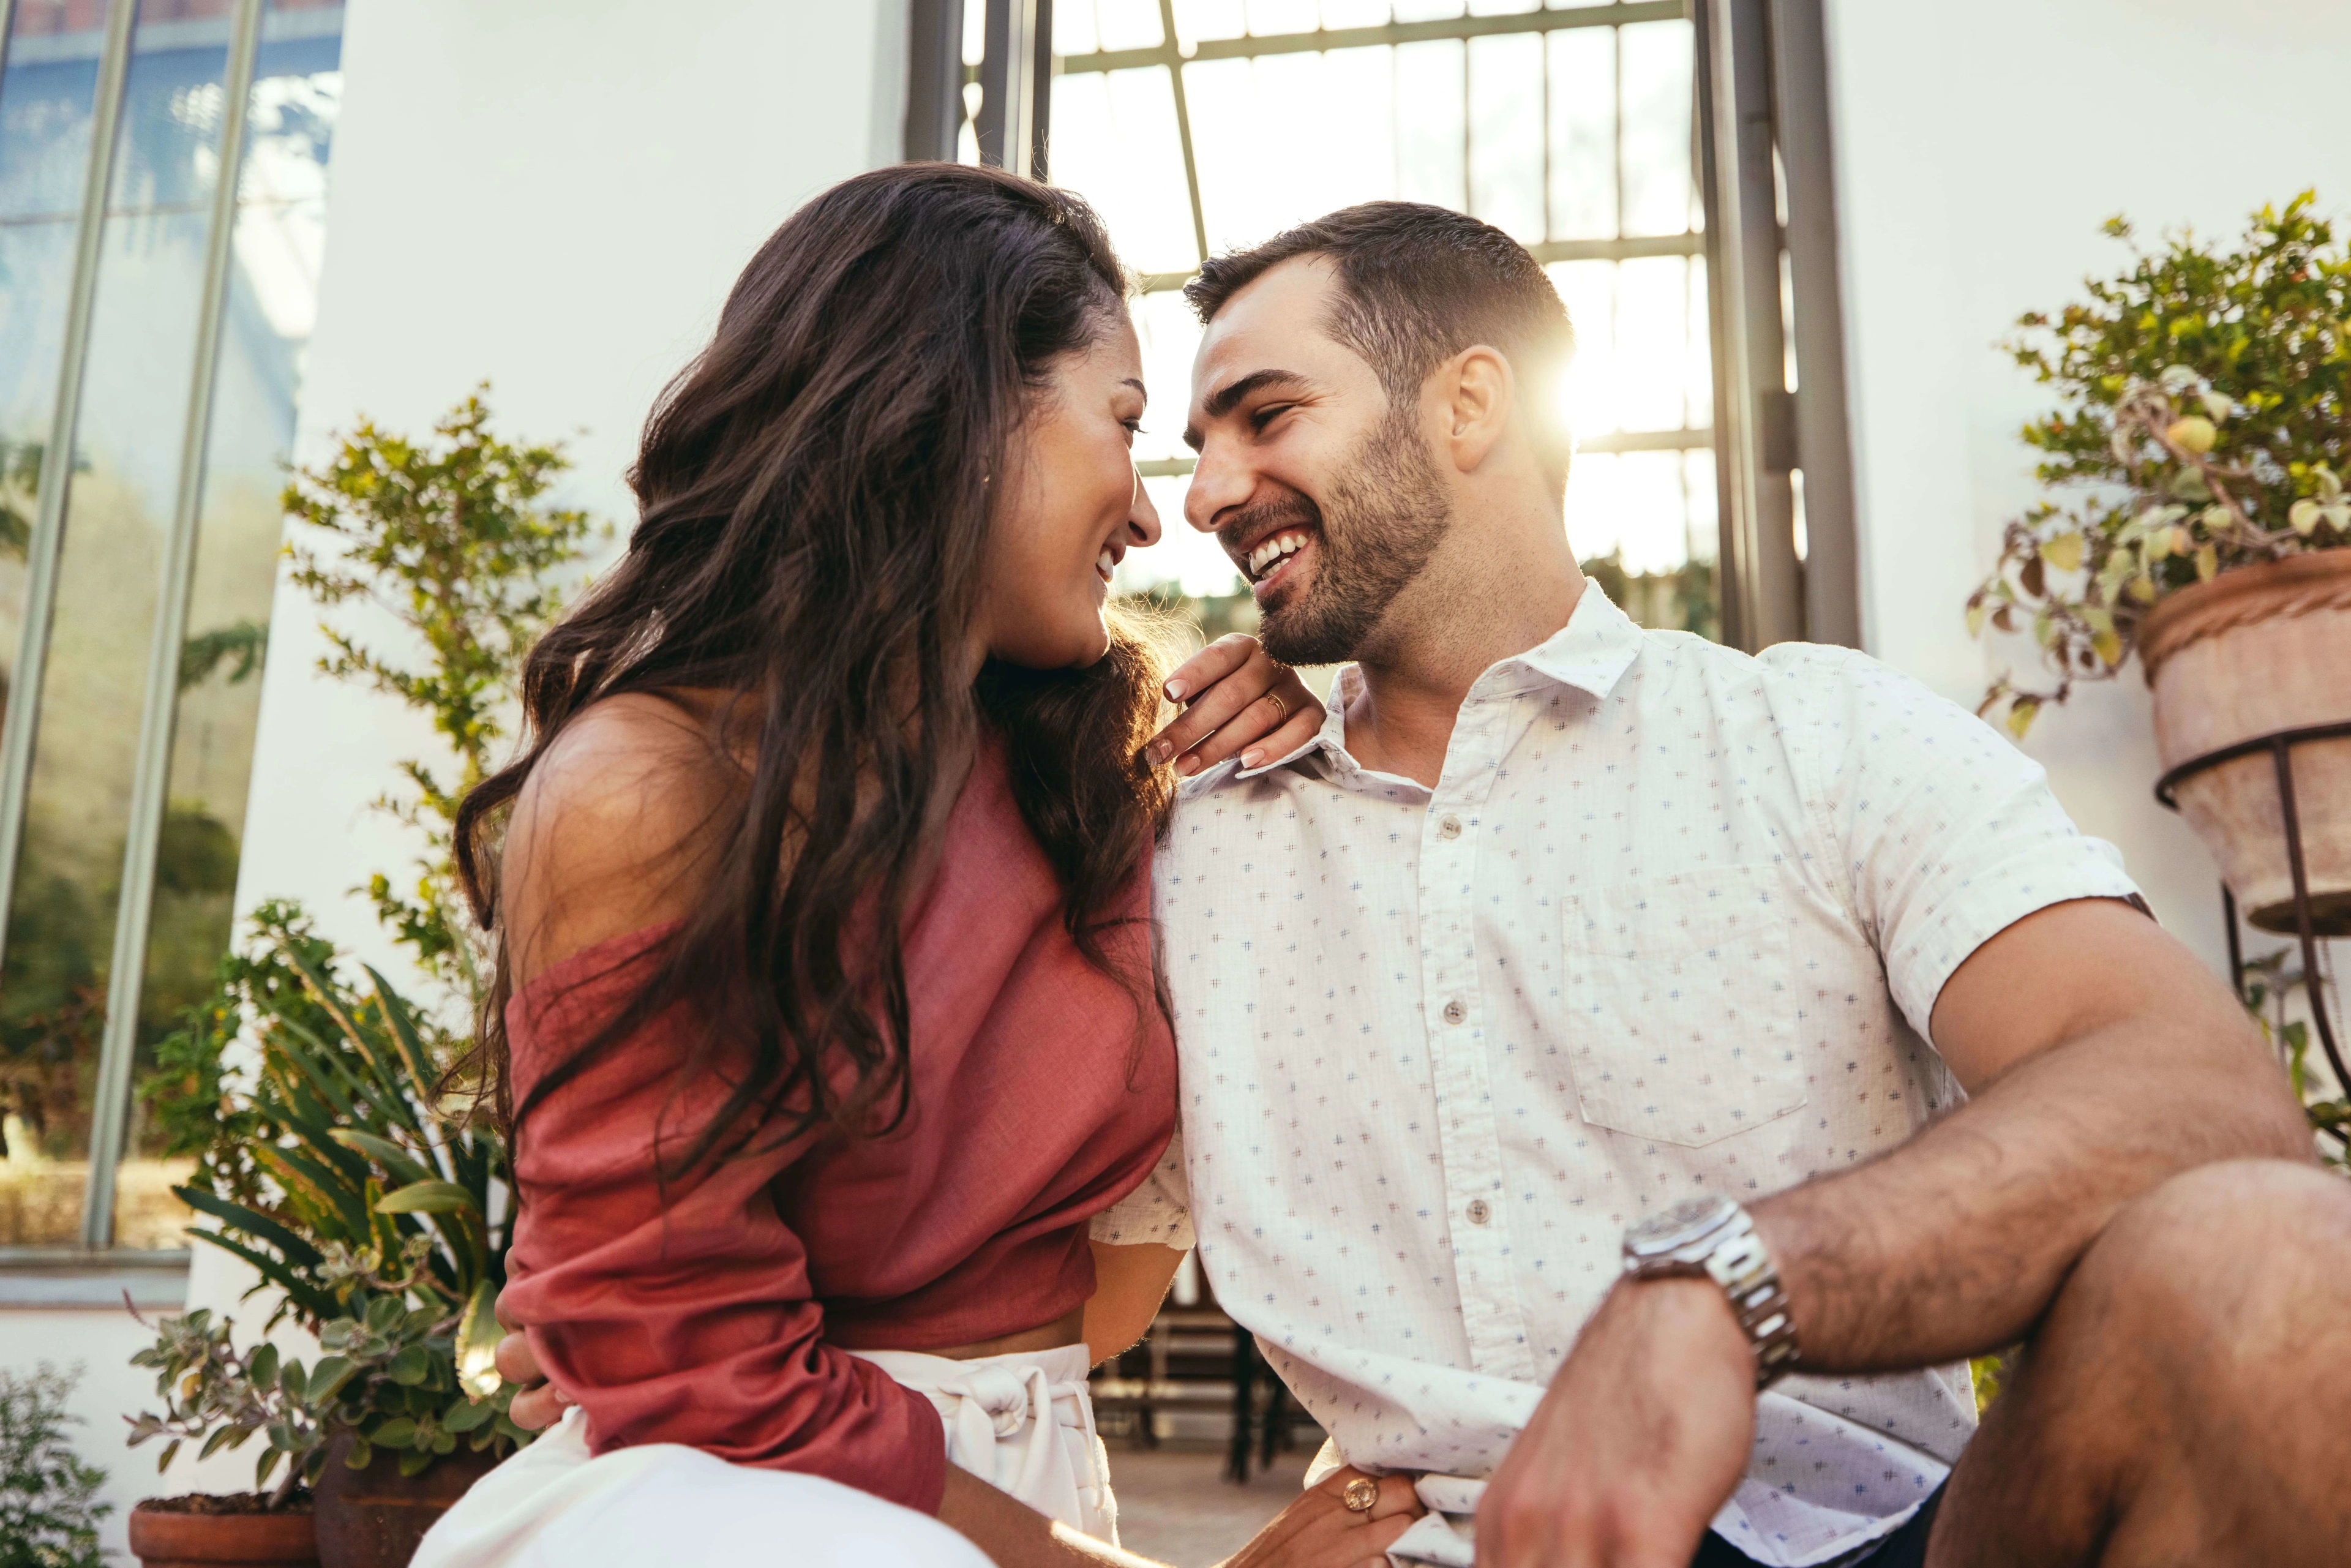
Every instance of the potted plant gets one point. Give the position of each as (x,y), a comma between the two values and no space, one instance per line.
(218,1396)
(2200,520)
(340,1178)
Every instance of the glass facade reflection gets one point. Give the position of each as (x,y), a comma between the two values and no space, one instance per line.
(141,400)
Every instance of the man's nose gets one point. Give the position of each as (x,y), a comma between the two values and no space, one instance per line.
(1219,483)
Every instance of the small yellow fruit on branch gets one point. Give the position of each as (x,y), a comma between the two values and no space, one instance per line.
(2193,433)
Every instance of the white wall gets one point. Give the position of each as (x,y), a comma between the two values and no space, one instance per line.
(1979,150)
(554,194)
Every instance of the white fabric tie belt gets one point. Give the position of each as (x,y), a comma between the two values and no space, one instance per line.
(1023,1422)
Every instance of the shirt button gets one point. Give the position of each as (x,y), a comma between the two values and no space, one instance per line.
(1478,1212)
(1454,1012)
(1449,829)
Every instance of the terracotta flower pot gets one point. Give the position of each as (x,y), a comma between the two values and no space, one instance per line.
(181,1532)
(2252,651)
(376,1517)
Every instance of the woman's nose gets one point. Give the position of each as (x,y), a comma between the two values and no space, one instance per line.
(1142,517)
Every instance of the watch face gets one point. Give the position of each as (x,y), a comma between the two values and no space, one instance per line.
(1677,1227)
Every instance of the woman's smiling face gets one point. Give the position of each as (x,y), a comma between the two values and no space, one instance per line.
(1073,508)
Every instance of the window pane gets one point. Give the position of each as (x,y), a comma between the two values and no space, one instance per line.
(1170,335)
(1267,17)
(1656,82)
(1588,289)
(126,454)
(1506,133)
(1261,130)
(46,97)
(1652,343)
(1128,24)
(1583,133)
(273,290)
(1114,141)
(1198,19)
(1429,100)
(1074,32)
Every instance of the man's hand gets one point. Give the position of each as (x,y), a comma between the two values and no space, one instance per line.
(1643,1436)
(540,1403)
(1237,702)
(1319,1530)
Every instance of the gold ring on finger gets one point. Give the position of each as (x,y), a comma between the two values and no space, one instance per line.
(1280,708)
(1361,1495)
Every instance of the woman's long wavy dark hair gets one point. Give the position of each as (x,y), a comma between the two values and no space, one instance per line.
(814,516)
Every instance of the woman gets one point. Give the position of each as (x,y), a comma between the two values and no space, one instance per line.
(825,1025)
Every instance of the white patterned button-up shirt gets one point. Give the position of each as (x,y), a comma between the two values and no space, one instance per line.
(1673,920)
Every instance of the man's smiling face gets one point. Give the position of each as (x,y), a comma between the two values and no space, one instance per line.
(1320,490)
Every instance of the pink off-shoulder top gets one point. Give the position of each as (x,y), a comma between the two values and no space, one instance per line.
(717,1310)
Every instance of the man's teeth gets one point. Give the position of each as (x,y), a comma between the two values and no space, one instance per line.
(1271,550)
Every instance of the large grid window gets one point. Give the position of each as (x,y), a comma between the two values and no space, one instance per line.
(162,168)
(1199,125)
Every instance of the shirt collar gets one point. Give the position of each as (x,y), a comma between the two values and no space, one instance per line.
(1591,652)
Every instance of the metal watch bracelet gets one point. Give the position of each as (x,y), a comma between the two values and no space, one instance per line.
(1716,1239)
(1742,1266)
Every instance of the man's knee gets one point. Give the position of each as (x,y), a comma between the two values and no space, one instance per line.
(2217,1256)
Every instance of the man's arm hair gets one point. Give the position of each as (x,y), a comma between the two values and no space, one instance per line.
(2101,1057)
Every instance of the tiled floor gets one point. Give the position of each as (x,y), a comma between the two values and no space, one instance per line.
(1175,1507)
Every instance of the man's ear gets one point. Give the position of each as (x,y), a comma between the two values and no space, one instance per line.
(1480,394)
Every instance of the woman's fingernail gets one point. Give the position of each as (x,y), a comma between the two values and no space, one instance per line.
(1251,758)
(561,1397)
(1175,690)
(1188,767)
(1159,751)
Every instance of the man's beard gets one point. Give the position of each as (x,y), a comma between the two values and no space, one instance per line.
(1383,521)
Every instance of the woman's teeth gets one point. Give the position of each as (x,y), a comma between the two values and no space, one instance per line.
(1262,559)
(1106,563)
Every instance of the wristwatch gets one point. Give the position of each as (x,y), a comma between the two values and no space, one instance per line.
(1714,1239)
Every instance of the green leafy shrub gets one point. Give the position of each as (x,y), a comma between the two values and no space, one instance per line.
(49,1509)
(2205,425)
(332,1167)
(451,537)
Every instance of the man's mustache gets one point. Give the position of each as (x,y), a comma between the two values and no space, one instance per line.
(1253,523)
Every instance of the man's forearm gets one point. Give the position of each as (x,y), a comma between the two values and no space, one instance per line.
(1954,1244)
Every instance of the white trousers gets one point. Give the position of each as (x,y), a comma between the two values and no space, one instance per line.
(1023,1423)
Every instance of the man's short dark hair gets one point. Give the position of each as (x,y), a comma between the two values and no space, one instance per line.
(1418,285)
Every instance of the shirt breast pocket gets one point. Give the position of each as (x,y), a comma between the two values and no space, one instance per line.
(1681,1024)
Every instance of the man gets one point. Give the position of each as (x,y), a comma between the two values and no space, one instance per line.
(1559,924)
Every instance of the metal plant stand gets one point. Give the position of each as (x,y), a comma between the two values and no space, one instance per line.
(2279,748)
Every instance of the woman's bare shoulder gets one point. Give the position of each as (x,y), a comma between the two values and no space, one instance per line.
(616,829)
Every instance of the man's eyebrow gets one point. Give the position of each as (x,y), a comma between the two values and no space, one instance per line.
(1131,382)
(1226,398)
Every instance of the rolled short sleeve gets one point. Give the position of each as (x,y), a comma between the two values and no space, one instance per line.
(1945,832)
(1158,1212)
